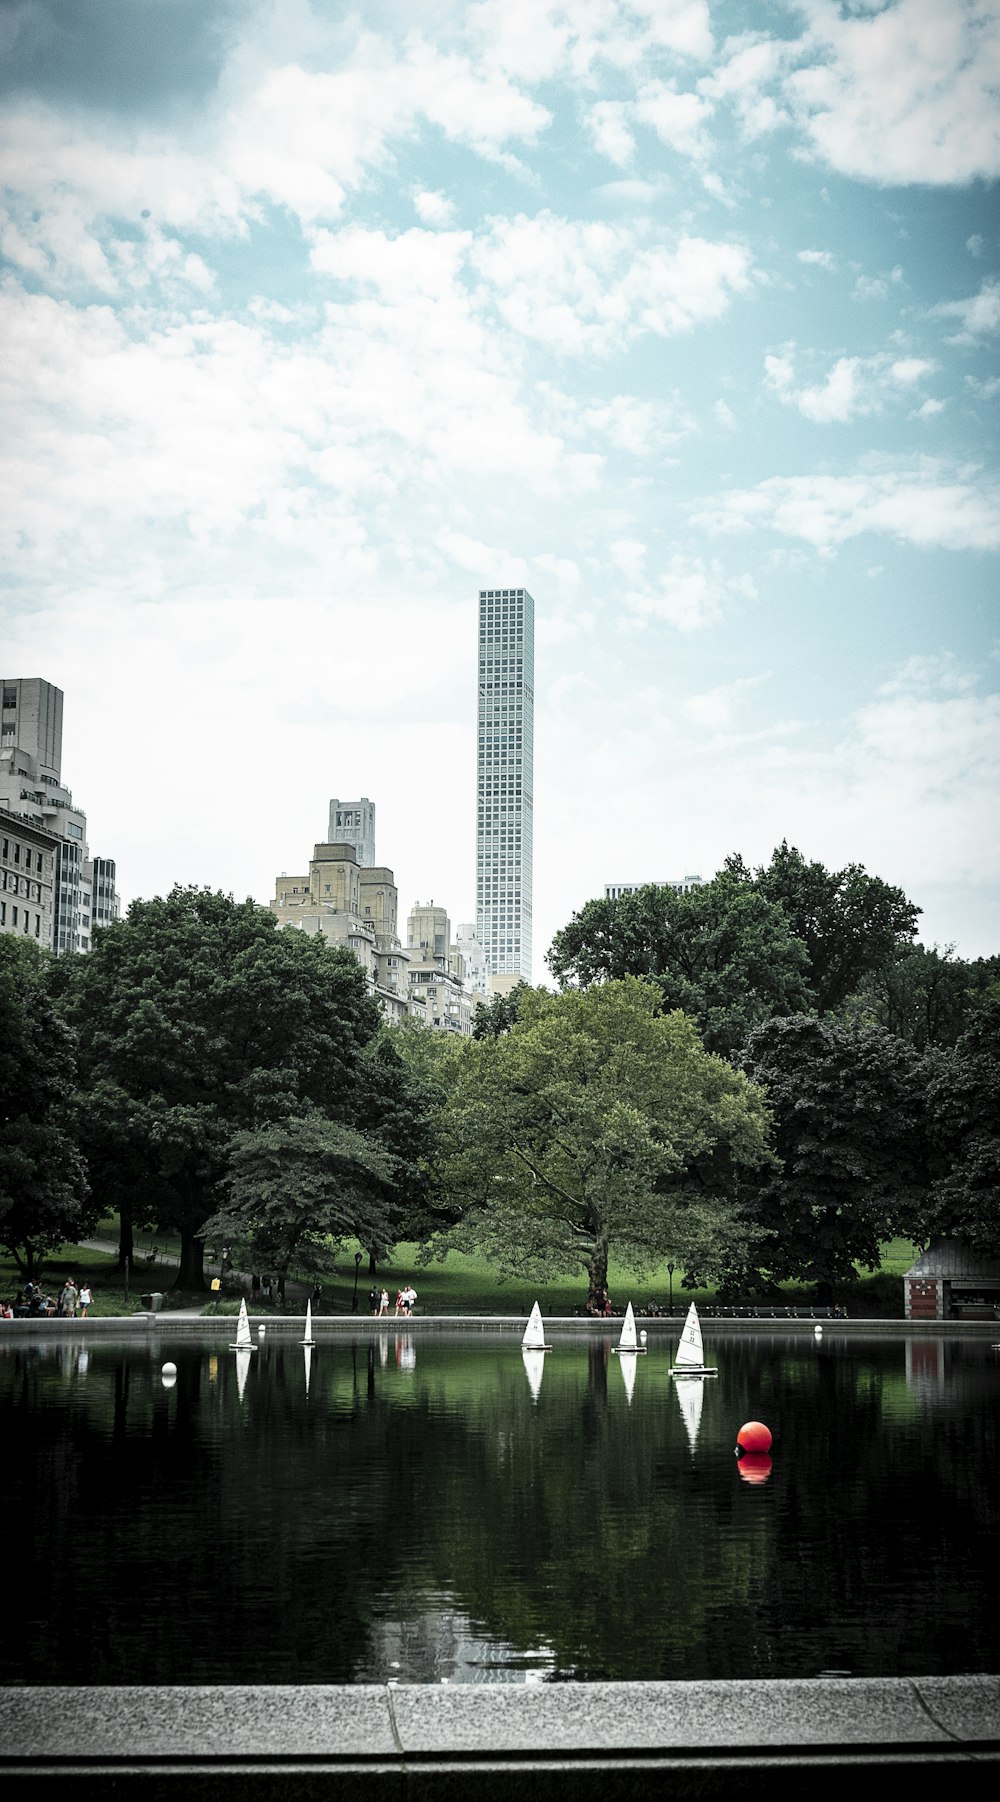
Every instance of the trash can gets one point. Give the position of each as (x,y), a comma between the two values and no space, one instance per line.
(146,1301)
(156,1299)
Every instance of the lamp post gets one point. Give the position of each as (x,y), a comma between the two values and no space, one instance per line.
(670,1275)
(357,1267)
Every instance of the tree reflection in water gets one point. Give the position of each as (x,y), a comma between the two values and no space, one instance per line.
(422,1516)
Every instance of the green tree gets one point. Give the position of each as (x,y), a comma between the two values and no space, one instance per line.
(850,923)
(43,1179)
(498,1015)
(723,954)
(847,1104)
(925,995)
(598,1121)
(963,1104)
(197,1019)
(296,1187)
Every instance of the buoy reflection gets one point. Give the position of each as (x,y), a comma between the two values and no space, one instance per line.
(754,1467)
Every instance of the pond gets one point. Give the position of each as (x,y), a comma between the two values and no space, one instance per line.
(420,1514)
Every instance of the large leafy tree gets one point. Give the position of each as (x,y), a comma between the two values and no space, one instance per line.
(296,1187)
(598,1123)
(925,995)
(44,1194)
(963,1105)
(849,1134)
(850,923)
(723,954)
(198,1019)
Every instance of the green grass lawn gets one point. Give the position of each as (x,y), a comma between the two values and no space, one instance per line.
(456,1284)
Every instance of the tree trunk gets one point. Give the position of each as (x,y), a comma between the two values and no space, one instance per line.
(597,1274)
(191,1274)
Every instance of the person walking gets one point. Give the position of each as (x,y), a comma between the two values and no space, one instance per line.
(68,1299)
(86,1298)
(383,1302)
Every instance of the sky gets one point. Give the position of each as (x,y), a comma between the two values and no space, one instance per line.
(684,314)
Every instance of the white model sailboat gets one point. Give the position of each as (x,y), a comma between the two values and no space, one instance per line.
(309,1340)
(534,1332)
(629,1341)
(690,1358)
(627,1362)
(244,1343)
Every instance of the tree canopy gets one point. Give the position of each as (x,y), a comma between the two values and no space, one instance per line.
(723,954)
(850,923)
(43,1180)
(597,1123)
(847,1104)
(963,1108)
(199,1019)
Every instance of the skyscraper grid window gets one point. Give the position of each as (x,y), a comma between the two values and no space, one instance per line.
(504,779)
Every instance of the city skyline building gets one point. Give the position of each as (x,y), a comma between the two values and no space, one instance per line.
(505,783)
(353,823)
(681,885)
(82,894)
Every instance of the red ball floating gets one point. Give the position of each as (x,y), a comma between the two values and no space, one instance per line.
(753,1436)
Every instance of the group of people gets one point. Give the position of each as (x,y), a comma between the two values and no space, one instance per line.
(378,1300)
(30,1303)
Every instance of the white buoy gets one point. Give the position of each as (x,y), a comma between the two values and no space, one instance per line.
(261,1330)
(643,1336)
(818,1331)
(169,1370)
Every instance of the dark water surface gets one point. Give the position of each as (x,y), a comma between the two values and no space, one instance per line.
(420,1515)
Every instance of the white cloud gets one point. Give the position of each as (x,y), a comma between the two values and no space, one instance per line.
(975,244)
(979,315)
(822,259)
(920,506)
(904,94)
(581,287)
(433,208)
(689,594)
(725,415)
(715,708)
(852,387)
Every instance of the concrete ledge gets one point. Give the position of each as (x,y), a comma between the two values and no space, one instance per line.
(361,1326)
(939,1735)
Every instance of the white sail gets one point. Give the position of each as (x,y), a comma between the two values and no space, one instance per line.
(690,1356)
(629,1341)
(243,1339)
(242,1367)
(534,1367)
(627,1362)
(691,1350)
(534,1332)
(691,1400)
(309,1340)
(307,1352)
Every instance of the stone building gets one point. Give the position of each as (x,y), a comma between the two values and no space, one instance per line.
(356,907)
(83,888)
(437,972)
(27,879)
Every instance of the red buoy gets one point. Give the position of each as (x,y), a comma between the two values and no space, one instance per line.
(753,1436)
(754,1467)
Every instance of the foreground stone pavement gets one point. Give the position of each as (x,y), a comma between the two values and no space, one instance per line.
(937,1738)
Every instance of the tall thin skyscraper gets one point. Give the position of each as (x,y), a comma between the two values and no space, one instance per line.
(504,782)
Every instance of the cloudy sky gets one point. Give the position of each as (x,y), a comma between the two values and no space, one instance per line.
(683,313)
